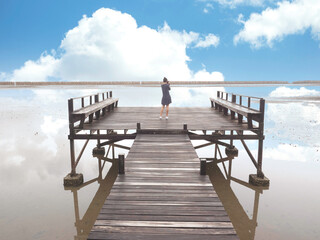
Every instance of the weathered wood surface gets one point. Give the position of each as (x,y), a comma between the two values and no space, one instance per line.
(86,111)
(245,111)
(162,196)
(198,118)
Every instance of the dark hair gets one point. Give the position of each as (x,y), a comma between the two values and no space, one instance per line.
(165,79)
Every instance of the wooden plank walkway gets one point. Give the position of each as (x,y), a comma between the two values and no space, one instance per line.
(162,196)
(197,118)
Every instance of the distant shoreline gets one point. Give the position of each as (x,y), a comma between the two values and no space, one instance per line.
(75,84)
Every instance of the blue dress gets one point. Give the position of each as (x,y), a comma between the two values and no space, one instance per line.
(166,98)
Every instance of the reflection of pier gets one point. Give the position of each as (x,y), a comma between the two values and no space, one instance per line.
(244,226)
(84,224)
(161,193)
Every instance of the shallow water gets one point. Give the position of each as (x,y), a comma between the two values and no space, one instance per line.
(34,152)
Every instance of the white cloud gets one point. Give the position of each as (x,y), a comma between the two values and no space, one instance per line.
(110,46)
(294,127)
(235,3)
(3,76)
(208,7)
(273,24)
(39,70)
(293,92)
(210,40)
(52,127)
(292,152)
(295,122)
(16,160)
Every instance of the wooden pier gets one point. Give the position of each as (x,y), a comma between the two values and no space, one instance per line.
(162,195)
(162,190)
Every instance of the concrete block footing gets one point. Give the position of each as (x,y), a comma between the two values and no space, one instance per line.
(257,181)
(232,151)
(73,180)
(98,152)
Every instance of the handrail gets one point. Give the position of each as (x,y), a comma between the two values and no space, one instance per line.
(93,98)
(241,95)
(238,99)
(89,95)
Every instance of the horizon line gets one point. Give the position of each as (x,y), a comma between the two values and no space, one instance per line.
(26,84)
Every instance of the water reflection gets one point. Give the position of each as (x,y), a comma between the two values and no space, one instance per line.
(244,226)
(84,225)
(289,210)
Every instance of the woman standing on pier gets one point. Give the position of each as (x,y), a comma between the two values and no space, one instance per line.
(166,98)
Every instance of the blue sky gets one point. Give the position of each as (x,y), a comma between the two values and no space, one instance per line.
(30,28)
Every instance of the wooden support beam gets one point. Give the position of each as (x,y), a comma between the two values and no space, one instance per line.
(81,152)
(121,146)
(222,137)
(249,153)
(116,137)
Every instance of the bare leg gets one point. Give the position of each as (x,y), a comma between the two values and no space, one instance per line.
(167,110)
(161,111)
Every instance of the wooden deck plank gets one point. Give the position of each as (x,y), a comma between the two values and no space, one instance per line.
(162,195)
(196,119)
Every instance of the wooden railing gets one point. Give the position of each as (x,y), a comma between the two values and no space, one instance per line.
(81,108)
(241,100)
(239,106)
(88,107)
(81,102)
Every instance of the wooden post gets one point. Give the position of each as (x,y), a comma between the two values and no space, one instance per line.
(96,100)
(82,102)
(203,165)
(98,140)
(110,94)
(71,133)
(121,163)
(240,117)
(231,140)
(249,119)
(73,162)
(234,97)
(138,126)
(225,111)
(260,148)
(185,126)
(215,151)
